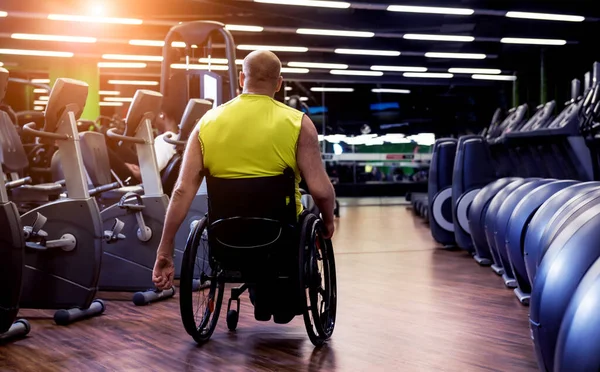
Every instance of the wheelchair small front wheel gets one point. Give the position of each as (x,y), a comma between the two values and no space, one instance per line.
(200,306)
(318,283)
(232,319)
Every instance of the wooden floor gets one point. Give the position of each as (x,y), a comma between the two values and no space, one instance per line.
(404,305)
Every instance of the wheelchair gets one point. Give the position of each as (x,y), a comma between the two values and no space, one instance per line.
(253,236)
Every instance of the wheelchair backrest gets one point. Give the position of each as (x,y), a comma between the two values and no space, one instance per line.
(251,220)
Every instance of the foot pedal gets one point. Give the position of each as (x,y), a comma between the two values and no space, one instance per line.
(482,261)
(499,270)
(115,233)
(35,230)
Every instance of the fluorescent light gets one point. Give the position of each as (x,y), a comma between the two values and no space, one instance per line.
(495,77)
(38,53)
(546,16)
(43,98)
(43,103)
(132,82)
(474,71)
(109,93)
(273,48)
(39,108)
(329,66)
(340,90)
(40,90)
(1,64)
(61,38)
(183,66)
(464,39)
(158,43)
(40,81)
(320,32)
(315,3)
(303,99)
(244,28)
(455,55)
(520,40)
(399,68)
(3,14)
(430,10)
(287,98)
(434,75)
(290,70)
(219,61)
(113,104)
(287,89)
(91,19)
(155,43)
(356,73)
(368,52)
(133,57)
(393,91)
(239,62)
(118,99)
(122,65)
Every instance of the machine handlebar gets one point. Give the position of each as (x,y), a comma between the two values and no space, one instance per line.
(29,128)
(112,134)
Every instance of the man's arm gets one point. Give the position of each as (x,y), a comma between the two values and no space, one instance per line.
(313,171)
(187,185)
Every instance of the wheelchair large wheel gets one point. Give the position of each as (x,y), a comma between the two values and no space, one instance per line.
(200,309)
(318,282)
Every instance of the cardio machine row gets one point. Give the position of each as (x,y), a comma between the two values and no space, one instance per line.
(68,239)
(524,198)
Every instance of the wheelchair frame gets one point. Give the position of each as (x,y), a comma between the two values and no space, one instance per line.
(311,248)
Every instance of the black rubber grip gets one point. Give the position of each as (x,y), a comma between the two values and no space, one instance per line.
(18,183)
(104,188)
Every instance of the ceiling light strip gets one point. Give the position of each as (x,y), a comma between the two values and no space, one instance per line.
(532,41)
(356,73)
(92,19)
(59,38)
(430,10)
(545,16)
(331,89)
(391,91)
(311,3)
(426,37)
(455,55)
(37,53)
(492,71)
(344,33)
(495,77)
(399,68)
(368,52)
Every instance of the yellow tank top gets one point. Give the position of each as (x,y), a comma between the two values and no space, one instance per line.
(251,136)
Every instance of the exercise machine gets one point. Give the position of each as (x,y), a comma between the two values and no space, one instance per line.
(12,244)
(128,262)
(64,238)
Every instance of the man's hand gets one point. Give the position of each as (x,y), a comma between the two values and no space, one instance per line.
(164,271)
(329,229)
(135,170)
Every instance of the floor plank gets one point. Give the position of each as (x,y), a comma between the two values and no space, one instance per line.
(404,304)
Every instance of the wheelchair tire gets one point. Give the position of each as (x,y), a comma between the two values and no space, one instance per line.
(319,318)
(202,330)
(232,319)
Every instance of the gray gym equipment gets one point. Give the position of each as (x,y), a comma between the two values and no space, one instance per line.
(194,111)
(62,261)
(12,245)
(127,264)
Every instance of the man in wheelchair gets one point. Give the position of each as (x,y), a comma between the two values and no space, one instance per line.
(259,229)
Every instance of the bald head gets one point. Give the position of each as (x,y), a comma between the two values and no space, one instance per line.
(261,73)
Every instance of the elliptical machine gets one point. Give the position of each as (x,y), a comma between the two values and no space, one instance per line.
(12,245)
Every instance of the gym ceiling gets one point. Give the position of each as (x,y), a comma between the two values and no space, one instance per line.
(373,46)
